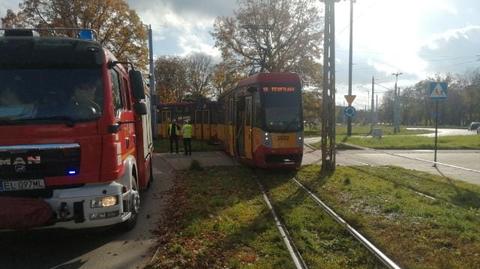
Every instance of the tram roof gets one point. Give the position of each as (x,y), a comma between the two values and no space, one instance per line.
(261,78)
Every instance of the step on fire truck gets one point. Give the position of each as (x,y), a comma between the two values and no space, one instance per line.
(75,135)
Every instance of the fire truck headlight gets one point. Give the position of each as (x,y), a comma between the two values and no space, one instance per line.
(105,201)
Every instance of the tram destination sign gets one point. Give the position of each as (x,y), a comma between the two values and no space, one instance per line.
(279,89)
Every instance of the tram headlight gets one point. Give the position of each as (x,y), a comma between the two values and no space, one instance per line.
(300,140)
(267,139)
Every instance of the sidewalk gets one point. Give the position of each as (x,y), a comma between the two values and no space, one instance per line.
(206,159)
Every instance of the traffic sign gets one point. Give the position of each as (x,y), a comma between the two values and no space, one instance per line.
(350,99)
(438,90)
(349,111)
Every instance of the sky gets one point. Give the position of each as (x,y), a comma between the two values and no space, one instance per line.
(418,38)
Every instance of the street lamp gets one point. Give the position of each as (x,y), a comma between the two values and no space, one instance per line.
(396,106)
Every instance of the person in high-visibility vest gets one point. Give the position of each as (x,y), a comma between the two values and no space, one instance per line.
(187,138)
(173,135)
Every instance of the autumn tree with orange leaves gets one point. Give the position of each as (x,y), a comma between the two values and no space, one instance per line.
(118,27)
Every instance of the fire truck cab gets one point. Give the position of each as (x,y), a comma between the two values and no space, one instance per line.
(75,133)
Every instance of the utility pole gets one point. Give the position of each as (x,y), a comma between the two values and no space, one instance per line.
(373,104)
(350,57)
(328,96)
(153,95)
(396,106)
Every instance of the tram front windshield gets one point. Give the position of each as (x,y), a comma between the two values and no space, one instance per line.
(282,106)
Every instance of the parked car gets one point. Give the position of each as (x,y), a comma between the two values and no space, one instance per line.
(474,126)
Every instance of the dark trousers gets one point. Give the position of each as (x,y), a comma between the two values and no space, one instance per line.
(172,140)
(187,145)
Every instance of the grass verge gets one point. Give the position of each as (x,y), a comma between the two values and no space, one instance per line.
(419,220)
(364,130)
(218,219)
(322,242)
(413,142)
(163,145)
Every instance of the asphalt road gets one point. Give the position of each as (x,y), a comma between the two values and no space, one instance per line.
(99,248)
(444,132)
(461,164)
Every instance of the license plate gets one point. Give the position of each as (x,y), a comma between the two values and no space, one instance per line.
(20,185)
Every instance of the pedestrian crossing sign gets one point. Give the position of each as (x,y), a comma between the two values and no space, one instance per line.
(438,90)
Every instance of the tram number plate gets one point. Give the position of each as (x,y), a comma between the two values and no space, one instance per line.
(19,185)
(283,138)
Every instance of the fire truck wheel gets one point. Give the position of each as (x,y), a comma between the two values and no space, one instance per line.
(134,206)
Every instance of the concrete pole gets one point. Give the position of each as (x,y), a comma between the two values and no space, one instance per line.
(373,104)
(396,106)
(350,57)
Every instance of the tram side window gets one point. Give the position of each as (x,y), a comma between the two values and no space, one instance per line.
(248,111)
(220,116)
(232,110)
(117,97)
(257,108)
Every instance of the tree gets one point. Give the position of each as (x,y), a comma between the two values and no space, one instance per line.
(312,106)
(273,36)
(199,73)
(171,79)
(118,27)
(224,77)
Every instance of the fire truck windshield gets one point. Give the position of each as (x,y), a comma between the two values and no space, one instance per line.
(50,95)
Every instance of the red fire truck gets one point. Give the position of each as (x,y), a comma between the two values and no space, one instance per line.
(75,135)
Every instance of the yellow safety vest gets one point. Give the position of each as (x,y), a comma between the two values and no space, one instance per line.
(187,131)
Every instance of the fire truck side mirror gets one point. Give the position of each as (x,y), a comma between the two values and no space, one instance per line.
(137,84)
(140,108)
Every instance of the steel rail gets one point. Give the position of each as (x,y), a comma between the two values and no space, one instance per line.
(292,249)
(371,247)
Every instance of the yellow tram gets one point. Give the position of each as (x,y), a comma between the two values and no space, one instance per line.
(262,120)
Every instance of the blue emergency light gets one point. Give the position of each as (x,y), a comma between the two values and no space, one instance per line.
(72,172)
(86,34)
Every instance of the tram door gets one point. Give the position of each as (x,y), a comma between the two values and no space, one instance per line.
(248,127)
(240,128)
(166,117)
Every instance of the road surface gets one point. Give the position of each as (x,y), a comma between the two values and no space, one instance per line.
(443,132)
(91,248)
(419,160)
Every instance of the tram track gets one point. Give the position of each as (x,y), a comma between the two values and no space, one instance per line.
(382,257)
(295,254)
(289,242)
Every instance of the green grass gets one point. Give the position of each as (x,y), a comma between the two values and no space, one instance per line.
(413,142)
(394,208)
(363,130)
(163,145)
(322,242)
(218,219)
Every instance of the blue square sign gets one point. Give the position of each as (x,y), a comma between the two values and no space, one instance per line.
(438,90)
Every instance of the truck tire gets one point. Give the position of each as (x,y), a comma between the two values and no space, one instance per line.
(134,207)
